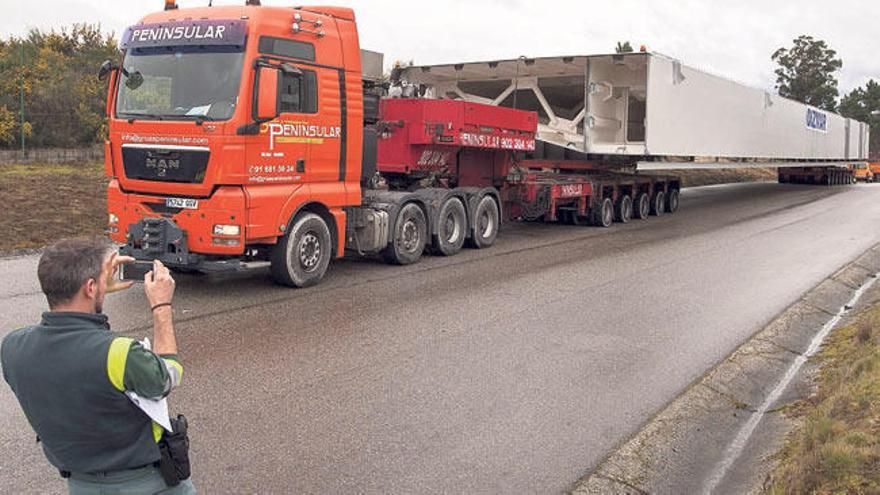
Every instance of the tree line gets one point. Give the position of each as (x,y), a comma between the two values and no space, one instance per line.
(51,77)
(54,74)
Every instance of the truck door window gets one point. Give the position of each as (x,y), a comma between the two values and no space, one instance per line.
(299,94)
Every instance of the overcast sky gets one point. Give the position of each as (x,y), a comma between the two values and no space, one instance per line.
(733,38)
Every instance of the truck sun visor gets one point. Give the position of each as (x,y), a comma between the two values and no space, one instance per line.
(184,33)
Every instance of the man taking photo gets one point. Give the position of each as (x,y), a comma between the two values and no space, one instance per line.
(70,373)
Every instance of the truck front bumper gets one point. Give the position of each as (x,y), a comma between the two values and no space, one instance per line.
(161,239)
(186,232)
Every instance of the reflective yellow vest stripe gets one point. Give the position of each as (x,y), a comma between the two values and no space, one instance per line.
(116,359)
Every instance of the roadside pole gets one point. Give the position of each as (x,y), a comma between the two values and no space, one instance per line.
(21,93)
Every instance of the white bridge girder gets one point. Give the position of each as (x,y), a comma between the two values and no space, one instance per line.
(653,109)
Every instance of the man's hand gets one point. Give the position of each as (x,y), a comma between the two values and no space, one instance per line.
(158,284)
(110,270)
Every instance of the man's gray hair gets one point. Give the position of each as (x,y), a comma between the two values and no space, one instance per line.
(68,264)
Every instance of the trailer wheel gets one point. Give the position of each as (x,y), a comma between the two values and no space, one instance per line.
(642,207)
(623,211)
(408,237)
(659,203)
(672,201)
(451,227)
(486,223)
(603,213)
(301,257)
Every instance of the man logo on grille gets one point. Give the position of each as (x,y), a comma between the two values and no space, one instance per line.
(162,165)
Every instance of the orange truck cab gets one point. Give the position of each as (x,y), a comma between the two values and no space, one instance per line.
(863,172)
(208,102)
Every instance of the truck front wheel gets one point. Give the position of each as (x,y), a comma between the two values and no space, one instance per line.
(301,257)
(408,237)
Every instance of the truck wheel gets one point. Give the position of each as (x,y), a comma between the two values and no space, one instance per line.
(408,237)
(302,255)
(451,227)
(659,203)
(642,207)
(486,223)
(672,201)
(623,211)
(603,213)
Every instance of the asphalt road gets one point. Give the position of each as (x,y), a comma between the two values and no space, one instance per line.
(513,369)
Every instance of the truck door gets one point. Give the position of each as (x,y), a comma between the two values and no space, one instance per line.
(302,145)
(308,130)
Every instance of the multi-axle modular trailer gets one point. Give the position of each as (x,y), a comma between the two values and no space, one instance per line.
(247,136)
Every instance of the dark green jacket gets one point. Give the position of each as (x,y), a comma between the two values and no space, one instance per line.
(69,374)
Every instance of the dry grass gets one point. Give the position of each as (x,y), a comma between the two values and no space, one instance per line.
(837,448)
(42,203)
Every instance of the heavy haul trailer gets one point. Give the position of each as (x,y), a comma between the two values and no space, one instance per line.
(246,136)
(651,112)
(477,147)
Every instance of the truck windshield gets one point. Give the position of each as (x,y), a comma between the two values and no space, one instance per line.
(179,84)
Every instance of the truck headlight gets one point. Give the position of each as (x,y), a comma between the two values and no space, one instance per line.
(232,230)
(112,219)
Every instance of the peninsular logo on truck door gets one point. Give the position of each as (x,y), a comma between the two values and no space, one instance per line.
(286,131)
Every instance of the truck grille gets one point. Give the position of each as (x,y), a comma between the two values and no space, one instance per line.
(165,164)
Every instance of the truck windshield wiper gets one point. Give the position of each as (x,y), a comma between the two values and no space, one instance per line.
(144,116)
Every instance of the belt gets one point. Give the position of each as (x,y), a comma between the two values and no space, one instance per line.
(113,476)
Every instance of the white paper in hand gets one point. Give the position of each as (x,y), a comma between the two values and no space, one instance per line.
(157,410)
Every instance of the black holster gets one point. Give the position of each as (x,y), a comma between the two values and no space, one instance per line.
(174,447)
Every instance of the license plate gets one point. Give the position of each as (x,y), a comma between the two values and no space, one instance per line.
(185,203)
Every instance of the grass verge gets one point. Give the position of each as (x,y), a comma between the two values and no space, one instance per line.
(836,448)
(42,203)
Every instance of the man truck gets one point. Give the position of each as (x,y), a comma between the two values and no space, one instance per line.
(244,136)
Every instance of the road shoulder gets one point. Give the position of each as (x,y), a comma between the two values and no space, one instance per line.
(716,436)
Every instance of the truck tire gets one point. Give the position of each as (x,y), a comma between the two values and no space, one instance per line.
(659,203)
(451,228)
(409,236)
(642,207)
(603,213)
(623,210)
(301,257)
(486,223)
(673,200)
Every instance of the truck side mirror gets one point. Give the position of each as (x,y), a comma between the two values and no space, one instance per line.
(267,104)
(106,68)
